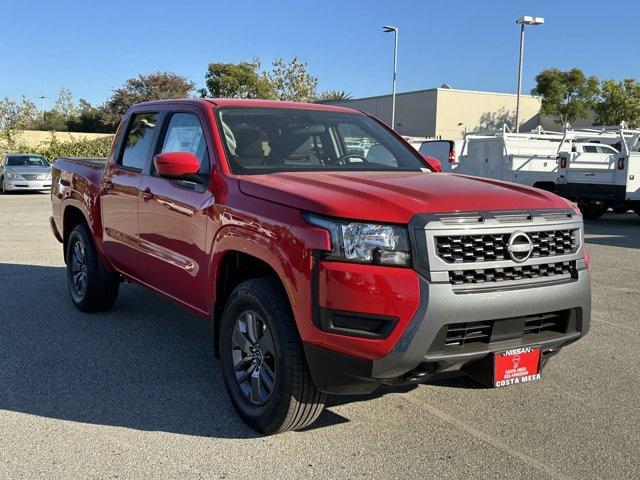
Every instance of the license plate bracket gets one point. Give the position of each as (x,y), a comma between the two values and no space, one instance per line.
(516,365)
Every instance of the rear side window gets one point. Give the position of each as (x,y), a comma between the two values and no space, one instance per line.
(139,140)
(589,149)
(606,149)
(184,134)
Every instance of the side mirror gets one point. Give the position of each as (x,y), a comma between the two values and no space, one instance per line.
(176,164)
(433,163)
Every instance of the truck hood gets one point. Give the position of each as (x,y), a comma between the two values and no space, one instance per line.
(393,196)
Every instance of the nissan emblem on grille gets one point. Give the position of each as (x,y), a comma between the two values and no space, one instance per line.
(520,246)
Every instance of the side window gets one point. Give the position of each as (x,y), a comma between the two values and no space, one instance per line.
(139,140)
(589,149)
(184,134)
(606,149)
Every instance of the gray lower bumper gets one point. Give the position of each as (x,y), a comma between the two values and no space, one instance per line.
(441,306)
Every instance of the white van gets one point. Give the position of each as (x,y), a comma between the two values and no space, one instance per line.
(447,151)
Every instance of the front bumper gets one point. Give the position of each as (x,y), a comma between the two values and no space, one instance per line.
(418,354)
(12,185)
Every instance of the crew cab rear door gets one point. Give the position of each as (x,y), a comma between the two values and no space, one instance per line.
(173,213)
(120,191)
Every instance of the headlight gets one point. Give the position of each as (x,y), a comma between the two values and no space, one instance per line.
(12,174)
(365,242)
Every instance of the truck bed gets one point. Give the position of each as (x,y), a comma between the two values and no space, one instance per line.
(76,178)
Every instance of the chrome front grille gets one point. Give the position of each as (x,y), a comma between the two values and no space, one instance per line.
(519,272)
(32,176)
(492,247)
(485,250)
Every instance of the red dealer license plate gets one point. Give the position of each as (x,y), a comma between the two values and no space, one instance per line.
(517,365)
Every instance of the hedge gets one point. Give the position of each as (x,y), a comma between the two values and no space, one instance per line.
(81,147)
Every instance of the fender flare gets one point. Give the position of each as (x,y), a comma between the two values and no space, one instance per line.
(236,238)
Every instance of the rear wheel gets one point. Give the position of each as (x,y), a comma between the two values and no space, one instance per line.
(92,289)
(620,209)
(592,211)
(263,362)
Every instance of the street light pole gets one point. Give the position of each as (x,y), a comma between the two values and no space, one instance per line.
(388,29)
(519,78)
(522,21)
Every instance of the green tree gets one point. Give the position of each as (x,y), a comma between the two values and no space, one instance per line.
(89,119)
(17,115)
(64,103)
(292,81)
(619,102)
(566,95)
(333,96)
(143,88)
(237,80)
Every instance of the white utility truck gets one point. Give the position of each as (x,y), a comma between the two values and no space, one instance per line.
(600,169)
(526,158)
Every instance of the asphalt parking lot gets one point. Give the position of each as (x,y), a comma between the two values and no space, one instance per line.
(134,393)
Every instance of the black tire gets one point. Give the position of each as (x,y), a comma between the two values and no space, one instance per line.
(2,190)
(592,212)
(99,288)
(620,209)
(294,401)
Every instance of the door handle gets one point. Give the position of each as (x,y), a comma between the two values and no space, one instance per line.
(147,194)
(107,185)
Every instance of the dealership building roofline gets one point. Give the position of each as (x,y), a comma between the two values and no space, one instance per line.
(426,90)
(445,112)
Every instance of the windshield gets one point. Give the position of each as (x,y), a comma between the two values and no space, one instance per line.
(267,140)
(26,161)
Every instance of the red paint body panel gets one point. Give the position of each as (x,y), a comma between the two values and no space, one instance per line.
(173,240)
(393,196)
(388,291)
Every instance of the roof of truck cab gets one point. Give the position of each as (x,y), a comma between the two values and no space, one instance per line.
(248,103)
(241,102)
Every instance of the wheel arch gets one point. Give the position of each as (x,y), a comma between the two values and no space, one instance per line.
(72,216)
(240,253)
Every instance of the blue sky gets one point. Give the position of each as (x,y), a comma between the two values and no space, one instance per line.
(92,47)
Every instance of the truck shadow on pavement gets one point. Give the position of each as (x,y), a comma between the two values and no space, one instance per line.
(146,365)
(615,230)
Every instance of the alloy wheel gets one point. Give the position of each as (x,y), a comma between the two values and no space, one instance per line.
(254,358)
(78,269)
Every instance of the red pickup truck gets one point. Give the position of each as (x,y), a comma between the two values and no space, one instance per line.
(328,255)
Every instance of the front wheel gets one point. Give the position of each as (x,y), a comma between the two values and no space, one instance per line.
(263,363)
(92,289)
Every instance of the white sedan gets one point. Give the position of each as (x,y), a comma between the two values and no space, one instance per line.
(24,172)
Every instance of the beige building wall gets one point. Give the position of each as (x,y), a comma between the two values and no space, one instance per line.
(415,111)
(437,113)
(481,111)
(34,138)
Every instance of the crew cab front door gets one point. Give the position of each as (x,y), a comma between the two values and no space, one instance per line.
(120,192)
(173,214)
